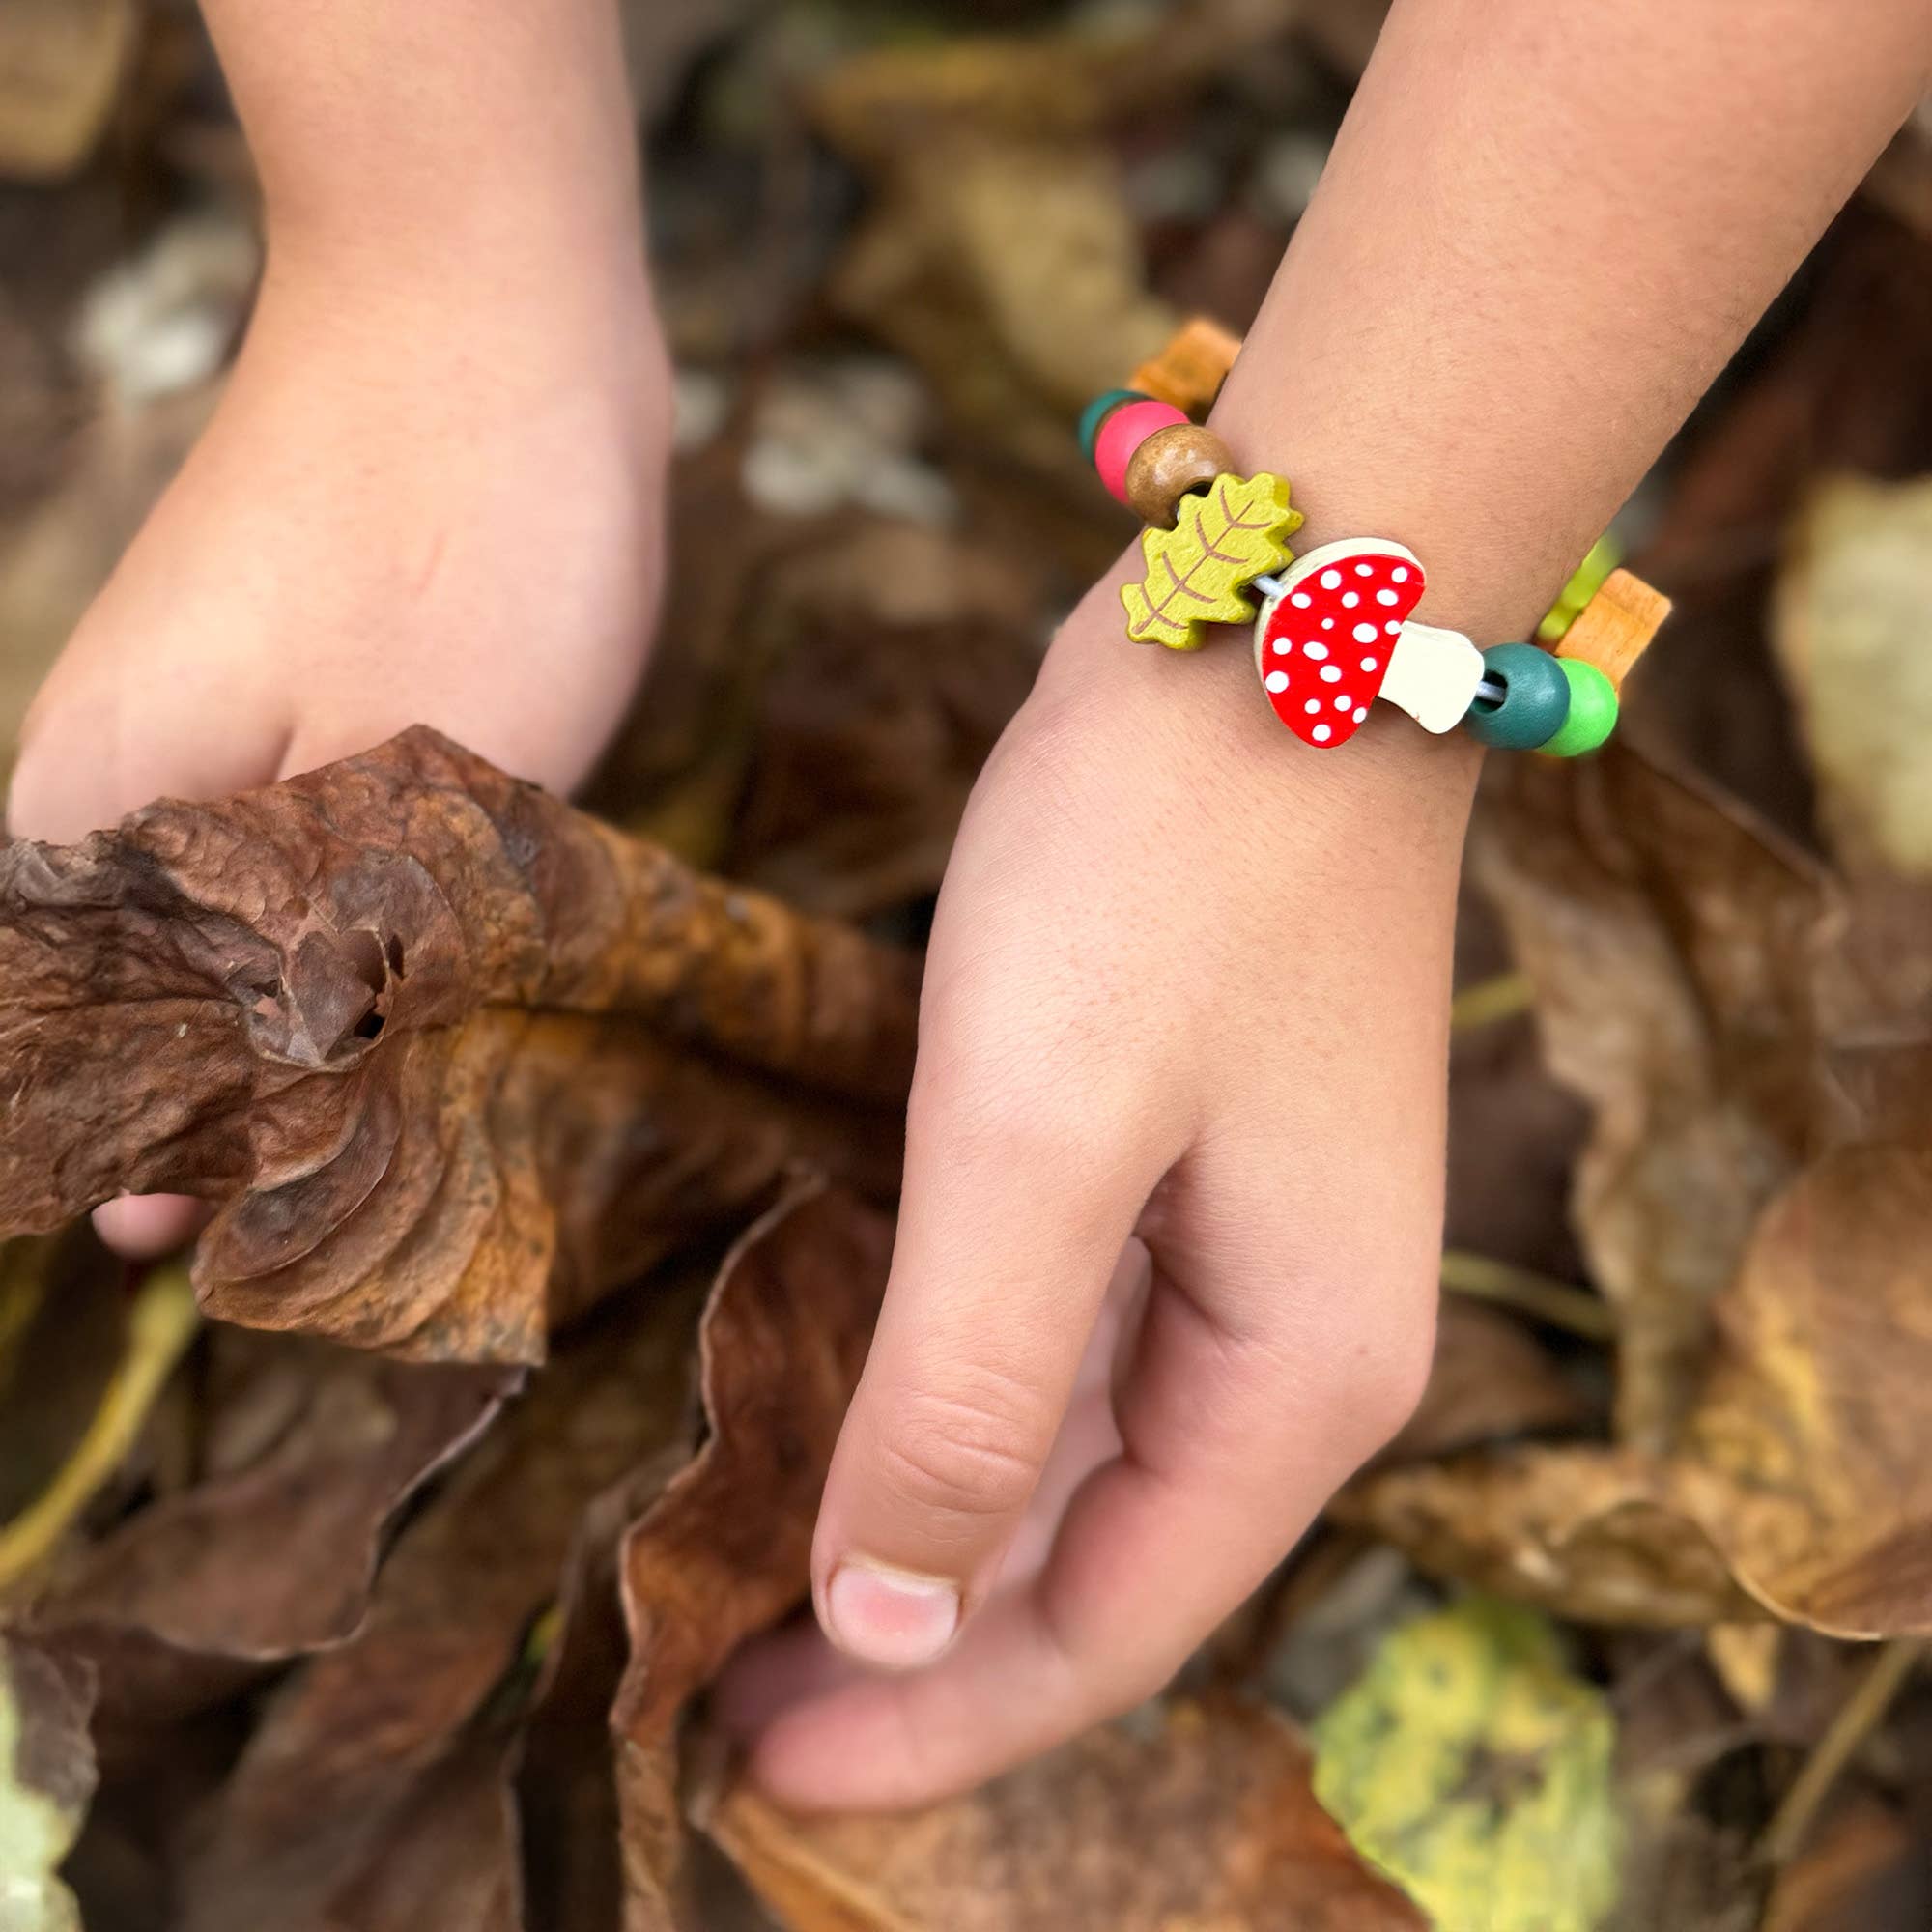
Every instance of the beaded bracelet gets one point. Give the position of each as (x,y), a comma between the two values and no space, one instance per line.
(1334,629)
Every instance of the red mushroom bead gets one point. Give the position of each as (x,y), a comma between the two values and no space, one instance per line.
(1324,642)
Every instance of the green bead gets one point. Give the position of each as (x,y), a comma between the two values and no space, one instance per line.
(1098,410)
(1534,705)
(1593,711)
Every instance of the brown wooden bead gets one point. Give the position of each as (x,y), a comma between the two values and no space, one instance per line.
(1171,463)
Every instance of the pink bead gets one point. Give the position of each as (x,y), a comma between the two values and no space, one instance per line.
(1122,433)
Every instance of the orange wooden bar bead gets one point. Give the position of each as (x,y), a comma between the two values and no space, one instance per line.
(1615,627)
(1189,371)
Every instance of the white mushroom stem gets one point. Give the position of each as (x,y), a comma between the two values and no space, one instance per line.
(1434,675)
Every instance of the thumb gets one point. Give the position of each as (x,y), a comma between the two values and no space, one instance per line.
(1018,1198)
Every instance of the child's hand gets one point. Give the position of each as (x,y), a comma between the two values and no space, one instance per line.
(409,507)
(1189,981)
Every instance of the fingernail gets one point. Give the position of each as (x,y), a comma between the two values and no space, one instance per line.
(895,1619)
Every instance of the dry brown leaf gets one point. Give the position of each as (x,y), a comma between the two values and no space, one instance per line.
(878,105)
(1850,630)
(724,1552)
(1674,948)
(363,1748)
(1866,1871)
(1188,1818)
(1596,1535)
(312,1453)
(62,63)
(1490,1381)
(565,1779)
(453,1058)
(1805,1484)
(898,655)
(1816,1412)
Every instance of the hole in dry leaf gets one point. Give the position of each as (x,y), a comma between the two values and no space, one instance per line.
(363,951)
(395,955)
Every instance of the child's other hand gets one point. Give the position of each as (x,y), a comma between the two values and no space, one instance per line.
(1188,981)
(409,507)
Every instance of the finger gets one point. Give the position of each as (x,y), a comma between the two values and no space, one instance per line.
(1233,1441)
(781,1668)
(1017,1205)
(144,1227)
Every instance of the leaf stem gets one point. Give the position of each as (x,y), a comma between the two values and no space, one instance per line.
(1541,1296)
(160,1325)
(1499,998)
(1857,1717)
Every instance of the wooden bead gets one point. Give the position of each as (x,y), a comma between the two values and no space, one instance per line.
(1533,706)
(1174,463)
(1098,410)
(1189,371)
(1122,433)
(1615,627)
(1198,573)
(1593,711)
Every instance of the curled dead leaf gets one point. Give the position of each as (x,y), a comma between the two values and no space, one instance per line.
(313,1451)
(724,1551)
(1196,1816)
(1676,948)
(1803,1487)
(1599,1535)
(361,1773)
(349,1008)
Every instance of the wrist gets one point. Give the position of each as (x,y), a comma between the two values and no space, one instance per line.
(1207,709)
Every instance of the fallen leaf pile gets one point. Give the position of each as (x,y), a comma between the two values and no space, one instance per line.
(368,1570)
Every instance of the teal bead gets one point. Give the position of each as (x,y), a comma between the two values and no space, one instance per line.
(1098,410)
(1535,703)
(1593,711)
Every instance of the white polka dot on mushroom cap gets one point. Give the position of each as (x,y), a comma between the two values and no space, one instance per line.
(1361,711)
(1282,646)
(1350,599)
(1313,704)
(1332,674)
(1316,648)
(1365,634)
(1343,700)
(1330,578)
(1301,600)
(1392,627)
(1365,570)
(1386,597)
(1276,680)
(1322,734)
(1400,574)
(1327,623)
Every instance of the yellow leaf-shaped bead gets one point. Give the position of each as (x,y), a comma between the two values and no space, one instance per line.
(1230,534)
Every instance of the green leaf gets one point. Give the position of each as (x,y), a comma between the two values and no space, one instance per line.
(1476,1771)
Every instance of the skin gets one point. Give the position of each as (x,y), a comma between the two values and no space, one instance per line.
(1166,1266)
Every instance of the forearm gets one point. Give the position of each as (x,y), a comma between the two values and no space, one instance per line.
(1544,227)
(479,143)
